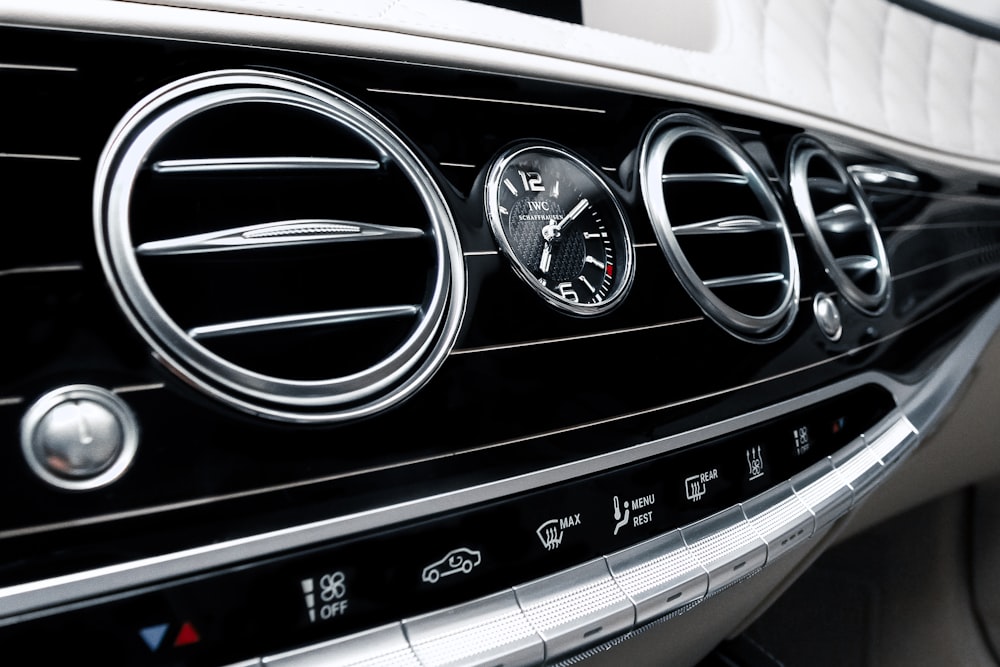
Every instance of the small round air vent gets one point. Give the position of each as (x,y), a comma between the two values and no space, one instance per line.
(839,224)
(279,247)
(720,226)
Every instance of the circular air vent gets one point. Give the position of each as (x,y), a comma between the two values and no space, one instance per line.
(279,247)
(839,224)
(720,226)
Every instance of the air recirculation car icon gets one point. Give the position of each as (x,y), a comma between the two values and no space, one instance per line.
(458,560)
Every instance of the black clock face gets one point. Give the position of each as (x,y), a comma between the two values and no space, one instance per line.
(562,228)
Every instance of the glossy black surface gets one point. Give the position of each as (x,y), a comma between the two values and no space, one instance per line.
(206,473)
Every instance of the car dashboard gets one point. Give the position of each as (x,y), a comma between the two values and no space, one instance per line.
(352,335)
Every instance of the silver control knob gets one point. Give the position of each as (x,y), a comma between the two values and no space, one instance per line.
(828,316)
(79,437)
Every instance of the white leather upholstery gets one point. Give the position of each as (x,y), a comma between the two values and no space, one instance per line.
(869,64)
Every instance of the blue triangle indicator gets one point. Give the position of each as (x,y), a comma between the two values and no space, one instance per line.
(153,635)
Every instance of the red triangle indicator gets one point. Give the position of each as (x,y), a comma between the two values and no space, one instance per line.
(187,635)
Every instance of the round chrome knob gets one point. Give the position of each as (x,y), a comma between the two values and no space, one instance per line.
(828,316)
(79,437)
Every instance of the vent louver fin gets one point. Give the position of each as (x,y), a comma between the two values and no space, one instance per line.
(720,226)
(278,247)
(839,224)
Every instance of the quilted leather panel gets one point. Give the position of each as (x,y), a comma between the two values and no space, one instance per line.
(867,63)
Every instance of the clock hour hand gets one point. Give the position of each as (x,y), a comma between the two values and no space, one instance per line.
(546,262)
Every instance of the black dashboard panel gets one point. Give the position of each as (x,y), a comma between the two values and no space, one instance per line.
(532,408)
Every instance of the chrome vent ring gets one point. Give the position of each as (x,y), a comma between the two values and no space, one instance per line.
(720,226)
(839,224)
(278,247)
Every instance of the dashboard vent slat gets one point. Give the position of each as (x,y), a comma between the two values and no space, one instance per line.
(858,263)
(265,274)
(754,279)
(828,185)
(840,224)
(277,234)
(720,226)
(286,322)
(842,219)
(735,224)
(730,179)
(217,165)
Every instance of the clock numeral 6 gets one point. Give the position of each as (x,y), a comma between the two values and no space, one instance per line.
(567,292)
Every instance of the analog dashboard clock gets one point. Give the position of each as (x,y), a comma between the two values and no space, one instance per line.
(561,227)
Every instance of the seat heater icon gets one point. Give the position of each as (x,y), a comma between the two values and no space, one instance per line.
(458,560)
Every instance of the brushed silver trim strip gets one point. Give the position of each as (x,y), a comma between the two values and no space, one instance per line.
(921,226)
(481,253)
(38,68)
(134,388)
(465,98)
(11,400)
(947,260)
(39,156)
(565,339)
(460,165)
(50,268)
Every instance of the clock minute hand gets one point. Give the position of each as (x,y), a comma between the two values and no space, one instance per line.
(572,215)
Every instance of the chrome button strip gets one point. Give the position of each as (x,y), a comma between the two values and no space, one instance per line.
(780,518)
(488,632)
(896,441)
(605,598)
(823,490)
(381,647)
(727,546)
(859,467)
(659,576)
(576,608)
